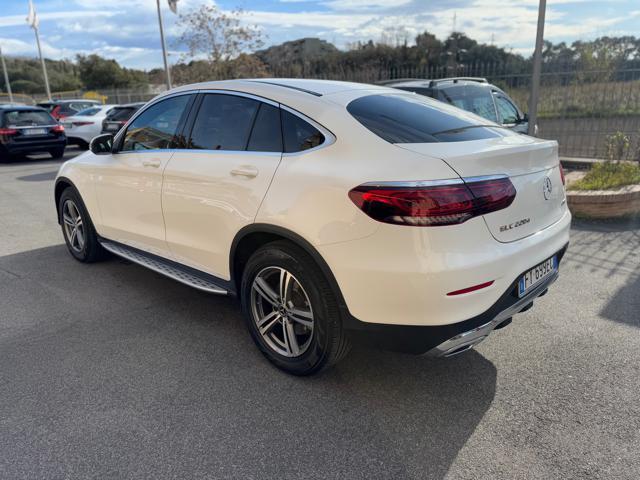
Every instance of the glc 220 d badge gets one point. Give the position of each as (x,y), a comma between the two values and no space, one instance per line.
(519,223)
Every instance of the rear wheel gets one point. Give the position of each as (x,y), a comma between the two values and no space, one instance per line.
(77,229)
(57,153)
(291,311)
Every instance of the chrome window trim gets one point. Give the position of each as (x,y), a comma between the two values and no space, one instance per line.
(329,137)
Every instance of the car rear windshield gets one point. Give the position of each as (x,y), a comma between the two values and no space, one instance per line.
(406,118)
(88,112)
(27,118)
(121,113)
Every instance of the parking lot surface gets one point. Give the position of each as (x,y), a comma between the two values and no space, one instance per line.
(111,371)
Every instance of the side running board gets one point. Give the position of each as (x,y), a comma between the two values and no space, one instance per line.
(164,267)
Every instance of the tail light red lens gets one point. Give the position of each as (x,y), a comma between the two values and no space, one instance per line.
(430,205)
(57,129)
(8,131)
(562,175)
(81,124)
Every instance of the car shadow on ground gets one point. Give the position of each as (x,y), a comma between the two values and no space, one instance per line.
(112,370)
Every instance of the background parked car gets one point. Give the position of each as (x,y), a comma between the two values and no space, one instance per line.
(29,130)
(118,116)
(65,108)
(475,95)
(86,124)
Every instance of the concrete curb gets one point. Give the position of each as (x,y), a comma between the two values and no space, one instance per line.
(621,202)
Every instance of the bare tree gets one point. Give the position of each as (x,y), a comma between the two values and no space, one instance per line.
(220,38)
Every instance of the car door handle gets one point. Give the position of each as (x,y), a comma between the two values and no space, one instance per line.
(249,172)
(151,163)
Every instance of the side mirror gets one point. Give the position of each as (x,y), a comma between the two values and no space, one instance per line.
(102,144)
(525,118)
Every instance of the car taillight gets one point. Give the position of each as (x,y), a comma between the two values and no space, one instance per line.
(8,131)
(562,175)
(430,204)
(57,129)
(81,124)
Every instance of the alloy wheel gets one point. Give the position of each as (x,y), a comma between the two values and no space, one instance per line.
(282,312)
(73,226)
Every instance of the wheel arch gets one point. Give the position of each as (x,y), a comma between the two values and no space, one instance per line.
(254,236)
(62,183)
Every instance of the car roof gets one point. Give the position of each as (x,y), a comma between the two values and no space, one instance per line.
(129,105)
(57,102)
(8,106)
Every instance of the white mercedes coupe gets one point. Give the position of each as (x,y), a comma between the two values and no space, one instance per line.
(335,212)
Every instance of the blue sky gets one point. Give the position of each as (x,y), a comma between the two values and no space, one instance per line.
(127,30)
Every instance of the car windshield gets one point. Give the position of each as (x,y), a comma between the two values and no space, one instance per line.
(471,98)
(27,118)
(407,118)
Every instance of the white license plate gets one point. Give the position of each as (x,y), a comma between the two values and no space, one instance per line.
(536,275)
(35,131)
(67,125)
(112,126)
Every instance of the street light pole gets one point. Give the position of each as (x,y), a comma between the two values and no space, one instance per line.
(44,67)
(164,47)
(537,69)
(6,77)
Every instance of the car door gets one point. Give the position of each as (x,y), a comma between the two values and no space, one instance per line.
(215,187)
(129,181)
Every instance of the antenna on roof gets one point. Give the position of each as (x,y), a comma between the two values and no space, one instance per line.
(454,21)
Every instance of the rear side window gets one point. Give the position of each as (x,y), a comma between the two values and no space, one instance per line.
(417,119)
(156,126)
(88,112)
(223,122)
(298,134)
(266,135)
(121,113)
(471,98)
(27,118)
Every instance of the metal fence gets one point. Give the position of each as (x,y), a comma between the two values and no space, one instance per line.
(583,109)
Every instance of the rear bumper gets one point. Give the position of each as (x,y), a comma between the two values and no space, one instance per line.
(33,147)
(447,340)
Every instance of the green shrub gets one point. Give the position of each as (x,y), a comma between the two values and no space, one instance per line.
(608,175)
(617,146)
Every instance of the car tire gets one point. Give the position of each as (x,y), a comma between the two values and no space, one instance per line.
(320,339)
(57,153)
(77,228)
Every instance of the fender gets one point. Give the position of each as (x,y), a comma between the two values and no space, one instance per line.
(277,231)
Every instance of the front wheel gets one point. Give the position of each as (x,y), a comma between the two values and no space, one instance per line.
(77,229)
(291,311)
(57,153)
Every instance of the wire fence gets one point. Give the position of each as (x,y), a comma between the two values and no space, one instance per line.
(586,110)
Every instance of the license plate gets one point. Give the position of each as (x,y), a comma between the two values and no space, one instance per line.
(536,275)
(112,126)
(67,125)
(35,131)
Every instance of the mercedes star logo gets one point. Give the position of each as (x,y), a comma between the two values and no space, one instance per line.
(547,188)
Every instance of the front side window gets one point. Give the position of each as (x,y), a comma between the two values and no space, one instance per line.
(223,122)
(405,118)
(298,134)
(507,111)
(156,127)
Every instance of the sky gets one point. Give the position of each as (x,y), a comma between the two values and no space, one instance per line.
(127,30)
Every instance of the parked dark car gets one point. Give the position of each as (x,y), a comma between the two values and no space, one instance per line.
(475,95)
(66,108)
(118,117)
(29,130)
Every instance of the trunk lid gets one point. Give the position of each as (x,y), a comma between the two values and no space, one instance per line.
(531,164)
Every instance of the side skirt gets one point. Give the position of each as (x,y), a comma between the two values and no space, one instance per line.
(181,273)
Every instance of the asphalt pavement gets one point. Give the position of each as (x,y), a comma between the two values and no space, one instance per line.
(110,371)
